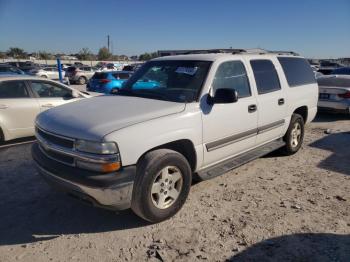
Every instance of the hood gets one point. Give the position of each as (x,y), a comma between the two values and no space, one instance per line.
(93,118)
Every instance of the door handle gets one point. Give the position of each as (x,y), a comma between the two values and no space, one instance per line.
(47,105)
(252,108)
(3,106)
(281,101)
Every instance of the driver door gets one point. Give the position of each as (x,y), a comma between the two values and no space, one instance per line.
(51,95)
(230,129)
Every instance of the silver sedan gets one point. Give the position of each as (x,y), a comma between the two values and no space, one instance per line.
(334,93)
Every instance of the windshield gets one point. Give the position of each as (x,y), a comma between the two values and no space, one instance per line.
(177,81)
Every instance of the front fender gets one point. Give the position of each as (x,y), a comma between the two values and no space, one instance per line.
(134,141)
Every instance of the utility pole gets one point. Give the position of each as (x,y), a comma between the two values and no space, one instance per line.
(108,42)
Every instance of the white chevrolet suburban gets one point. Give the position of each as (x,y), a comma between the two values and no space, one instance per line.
(177,117)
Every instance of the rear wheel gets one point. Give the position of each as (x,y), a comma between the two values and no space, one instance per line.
(294,136)
(82,80)
(44,76)
(2,137)
(162,184)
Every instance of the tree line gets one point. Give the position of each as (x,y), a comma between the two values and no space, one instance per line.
(84,54)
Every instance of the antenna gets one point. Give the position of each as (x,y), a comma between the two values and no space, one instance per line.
(108,43)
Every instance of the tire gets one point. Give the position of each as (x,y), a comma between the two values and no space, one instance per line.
(44,76)
(114,91)
(294,136)
(82,80)
(161,169)
(2,137)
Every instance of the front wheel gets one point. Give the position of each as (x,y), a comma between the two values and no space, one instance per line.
(294,136)
(162,184)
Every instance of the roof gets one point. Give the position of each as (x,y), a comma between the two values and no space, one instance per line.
(5,77)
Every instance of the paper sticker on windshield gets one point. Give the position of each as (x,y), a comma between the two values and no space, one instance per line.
(187,70)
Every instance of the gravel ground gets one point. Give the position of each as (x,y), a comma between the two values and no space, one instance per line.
(273,209)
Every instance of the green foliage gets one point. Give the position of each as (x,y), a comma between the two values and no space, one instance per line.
(104,54)
(45,55)
(16,52)
(148,56)
(85,54)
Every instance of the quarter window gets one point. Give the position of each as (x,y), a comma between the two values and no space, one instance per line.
(266,77)
(13,89)
(297,71)
(232,75)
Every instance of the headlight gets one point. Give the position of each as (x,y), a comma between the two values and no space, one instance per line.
(104,148)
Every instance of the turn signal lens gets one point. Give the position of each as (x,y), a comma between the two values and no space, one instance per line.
(110,167)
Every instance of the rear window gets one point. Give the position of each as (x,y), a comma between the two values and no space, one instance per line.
(265,75)
(121,75)
(297,71)
(100,76)
(71,69)
(13,89)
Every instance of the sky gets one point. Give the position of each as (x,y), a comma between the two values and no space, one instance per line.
(313,28)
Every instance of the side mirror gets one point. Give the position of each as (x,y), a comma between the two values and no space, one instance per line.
(223,96)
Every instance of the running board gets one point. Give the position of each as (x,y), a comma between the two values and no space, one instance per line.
(234,162)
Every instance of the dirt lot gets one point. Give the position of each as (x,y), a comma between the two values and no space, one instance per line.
(273,209)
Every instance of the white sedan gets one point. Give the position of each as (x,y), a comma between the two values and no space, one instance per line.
(47,72)
(22,98)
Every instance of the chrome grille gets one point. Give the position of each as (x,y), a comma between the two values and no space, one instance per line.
(56,139)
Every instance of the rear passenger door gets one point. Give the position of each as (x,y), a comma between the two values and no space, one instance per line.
(18,108)
(271,100)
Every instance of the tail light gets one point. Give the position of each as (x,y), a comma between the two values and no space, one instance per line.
(105,81)
(345,95)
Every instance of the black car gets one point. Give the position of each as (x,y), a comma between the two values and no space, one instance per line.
(341,71)
(9,69)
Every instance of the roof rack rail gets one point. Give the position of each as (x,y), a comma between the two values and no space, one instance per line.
(215,51)
(224,50)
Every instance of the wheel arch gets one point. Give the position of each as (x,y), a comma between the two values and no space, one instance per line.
(183,146)
(303,111)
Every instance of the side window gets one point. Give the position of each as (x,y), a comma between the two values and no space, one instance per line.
(46,89)
(297,71)
(232,75)
(265,75)
(13,89)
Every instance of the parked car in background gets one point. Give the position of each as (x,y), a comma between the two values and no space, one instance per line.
(327,67)
(9,69)
(334,93)
(25,66)
(22,98)
(341,71)
(133,67)
(208,114)
(80,75)
(47,72)
(105,82)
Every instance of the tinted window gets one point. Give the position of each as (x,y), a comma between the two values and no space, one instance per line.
(45,89)
(121,75)
(100,75)
(297,71)
(71,69)
(13,89)
(232,75)
(266,77)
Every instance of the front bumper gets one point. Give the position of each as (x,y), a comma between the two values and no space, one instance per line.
(110,191)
